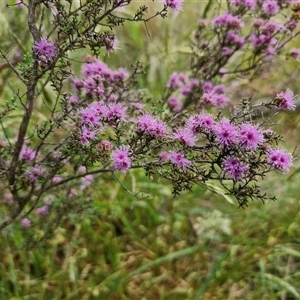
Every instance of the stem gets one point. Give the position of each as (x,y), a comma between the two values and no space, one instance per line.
(30,96)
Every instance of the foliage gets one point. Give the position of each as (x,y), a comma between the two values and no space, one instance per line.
(122,235)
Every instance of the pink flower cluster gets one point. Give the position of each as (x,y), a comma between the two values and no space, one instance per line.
(150,125)
(177,158)
(234,168)
(175,5)
(45,50)
(121,159)
(280,159)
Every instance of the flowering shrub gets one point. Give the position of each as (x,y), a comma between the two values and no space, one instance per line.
(106,125)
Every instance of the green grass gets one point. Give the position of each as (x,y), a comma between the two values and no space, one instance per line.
(196,246)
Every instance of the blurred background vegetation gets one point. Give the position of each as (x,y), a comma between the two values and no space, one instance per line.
(196,246)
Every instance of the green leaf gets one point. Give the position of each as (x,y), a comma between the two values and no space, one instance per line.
(219,190)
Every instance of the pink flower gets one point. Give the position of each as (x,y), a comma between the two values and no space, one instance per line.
(46,50)
(89,116)
(111,44)
(121,159)
(176,80)
(295,53)
(200,123)
(234,168)
(88,134)
(104,146)
(164,156)
(86,181)
(116,112)
(150,125)
(220,100)
(120,74)
(8,198)
(25,223)
(100,109)
(96,67)
(57,179)
(279,159)
(178,159)
(27,154)
(42,211)
(35,173)
(247,3)
(235,38)
(77,84)
(175,5)
(270,7)
(73,99)
(185,135)
(250,136)
(286,100)
(226,133)
(175,104)
(228,20)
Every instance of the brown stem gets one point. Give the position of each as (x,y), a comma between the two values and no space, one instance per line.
(30,96)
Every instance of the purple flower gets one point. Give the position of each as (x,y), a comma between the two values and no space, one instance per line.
(120,74)
(226,133)
(295,53)
(86,181)
(150,125)
(104,146)
(35,173)
(73,99)
(87,133)
(228,20)
(77,84)
(291,24)
(25,223)
(227,51)
(96,67)
(207,86)
(175,5)
(176,80)
(42,211)
(164,156)
(178,159)
(271,27)
(185,135)
(286,100)
(270,7)
(121,159)
(234,168)
(111,44)
(57,179)
(220,100)
(175,104)
(100,109)
(279,159)
(8,198)
(46,50)
(90,86)
(235,38)
(247,3)
(250,136)
(116,112)
(200,123)
(89,116)
(187,88)
(27,154)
